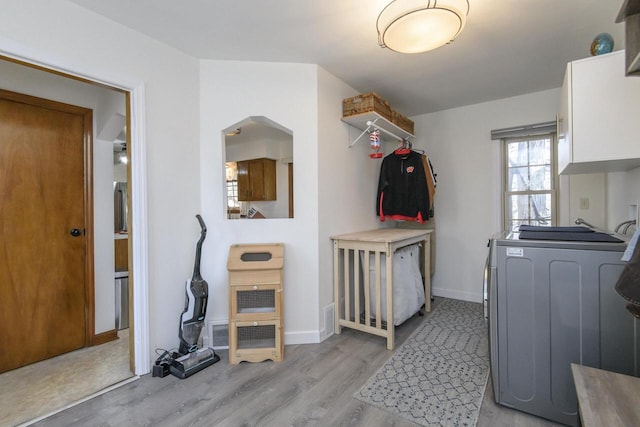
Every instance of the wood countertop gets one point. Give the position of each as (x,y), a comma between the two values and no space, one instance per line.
(383,235)
(606,399)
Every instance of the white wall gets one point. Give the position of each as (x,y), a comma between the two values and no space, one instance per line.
(348,177)
(64,36)
(104,103)
(623,192)
(613,198)
(587,197)
(467,201)
(335,186)
(231,91)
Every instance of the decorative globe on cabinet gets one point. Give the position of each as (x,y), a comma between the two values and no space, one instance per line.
(602,43)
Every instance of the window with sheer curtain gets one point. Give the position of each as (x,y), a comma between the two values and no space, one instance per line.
(529,181)
(233,206)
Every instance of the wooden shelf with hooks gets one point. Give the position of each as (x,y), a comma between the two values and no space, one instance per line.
(368,121)
(360,121)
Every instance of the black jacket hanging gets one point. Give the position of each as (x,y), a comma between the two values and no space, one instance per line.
(402,188)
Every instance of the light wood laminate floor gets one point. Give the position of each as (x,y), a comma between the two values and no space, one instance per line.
(313,385)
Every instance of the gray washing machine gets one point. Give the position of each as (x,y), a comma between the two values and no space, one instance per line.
(550,304)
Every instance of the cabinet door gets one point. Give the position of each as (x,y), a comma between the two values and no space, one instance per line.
(244,187)
(256,302)
(257,180)
(255,341)
(121,251)
(605,110)
(565,123)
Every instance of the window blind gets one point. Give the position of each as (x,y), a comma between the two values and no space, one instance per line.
(525,131)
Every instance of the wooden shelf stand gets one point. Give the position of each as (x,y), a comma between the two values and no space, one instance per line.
(347,292)
(256,318)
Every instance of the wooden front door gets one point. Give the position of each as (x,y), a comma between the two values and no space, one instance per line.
(46,283)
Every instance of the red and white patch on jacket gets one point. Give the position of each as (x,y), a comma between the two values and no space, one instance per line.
(410,169)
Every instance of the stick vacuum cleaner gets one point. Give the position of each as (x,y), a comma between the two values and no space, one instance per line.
(190,359)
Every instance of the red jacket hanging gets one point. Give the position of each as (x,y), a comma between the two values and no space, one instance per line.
(402,188)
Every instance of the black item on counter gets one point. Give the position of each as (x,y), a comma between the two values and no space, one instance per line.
(568,237)
(628,284)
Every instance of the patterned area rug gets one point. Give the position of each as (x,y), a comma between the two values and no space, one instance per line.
(438,376)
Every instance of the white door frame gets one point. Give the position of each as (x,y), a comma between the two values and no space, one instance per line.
(140,270)
(139,232)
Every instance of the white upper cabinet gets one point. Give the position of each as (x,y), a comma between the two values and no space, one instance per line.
(599,120)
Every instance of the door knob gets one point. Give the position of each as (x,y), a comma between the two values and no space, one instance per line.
(75,232)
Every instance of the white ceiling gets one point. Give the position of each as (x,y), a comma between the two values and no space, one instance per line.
(508,48)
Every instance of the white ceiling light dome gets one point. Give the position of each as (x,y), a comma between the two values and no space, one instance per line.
(413,26)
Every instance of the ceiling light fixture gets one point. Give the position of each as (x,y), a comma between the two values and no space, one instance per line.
(414,26)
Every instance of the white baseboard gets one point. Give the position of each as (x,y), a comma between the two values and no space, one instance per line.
(314,337)
(302,337)
(459,295)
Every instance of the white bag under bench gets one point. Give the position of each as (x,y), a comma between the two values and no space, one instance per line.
(408,288)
